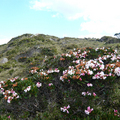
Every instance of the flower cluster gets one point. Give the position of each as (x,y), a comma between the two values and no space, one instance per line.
(116,113)
(13,79)
(10,95)
(33,70)
(88,93)
(95,68)
(27,89)
(51,70)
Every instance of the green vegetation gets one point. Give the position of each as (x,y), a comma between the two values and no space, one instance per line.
(69,78)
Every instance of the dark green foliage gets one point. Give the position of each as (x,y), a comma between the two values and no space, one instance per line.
(47,51)
(10,52)
(6,66)
(109,40)
(11,71)
(22,59)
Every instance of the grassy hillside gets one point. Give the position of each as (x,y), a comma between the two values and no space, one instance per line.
(55,72)
(36,47)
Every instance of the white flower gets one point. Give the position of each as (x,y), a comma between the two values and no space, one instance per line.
(90,72)
(71,72)
(27,89)
(65,109)
(61,78)
(101,67)
(89,84)
(84,93)
(88,93)
(39,84)
(117,71)
(17,96)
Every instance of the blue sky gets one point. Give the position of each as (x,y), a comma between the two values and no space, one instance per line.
(61,18)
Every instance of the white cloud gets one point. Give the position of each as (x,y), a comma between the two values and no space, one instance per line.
(56,15)
(4,40)
(99,15)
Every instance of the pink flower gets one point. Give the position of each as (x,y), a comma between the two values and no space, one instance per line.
(89,85)
(39,84)
(80,79)
(83,74)
(94,94)
(68,80)
(50,84)
(65,109)
(88,110)
(12,91)
(115,111)
(8,117)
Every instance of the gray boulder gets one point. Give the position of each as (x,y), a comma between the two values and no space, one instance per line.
(4,60)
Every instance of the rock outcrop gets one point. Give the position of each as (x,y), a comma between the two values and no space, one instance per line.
(4,60)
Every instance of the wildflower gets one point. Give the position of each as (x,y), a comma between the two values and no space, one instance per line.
(9,99)
(61,78)
(90,72)
(39,84)
(88,111)
(84,93)
(12,91)
(89,85)
(27,89)
(56,70)
(80,79)
(65,109)
(50,84)
(2,90)
(88,93)
(69,81)
(71,72)
(101,67)
(117,71)
(115,111)
(94,94)
(8,117)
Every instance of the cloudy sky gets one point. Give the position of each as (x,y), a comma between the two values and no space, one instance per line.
(61,18)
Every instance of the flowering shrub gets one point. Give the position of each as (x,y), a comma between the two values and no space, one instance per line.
(78,78)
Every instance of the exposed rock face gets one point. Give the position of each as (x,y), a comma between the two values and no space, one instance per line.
(4,60)
(28,53)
